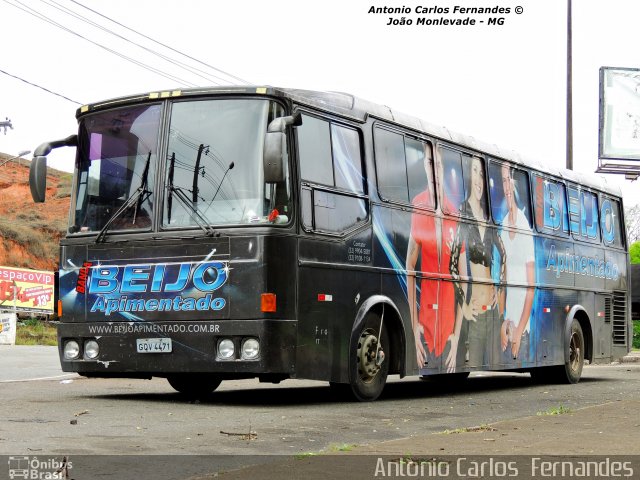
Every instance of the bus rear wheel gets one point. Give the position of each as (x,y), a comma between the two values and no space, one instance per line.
(194,384)
(371,358)
(571,371)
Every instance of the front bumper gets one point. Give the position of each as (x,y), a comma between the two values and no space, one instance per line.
(194,345)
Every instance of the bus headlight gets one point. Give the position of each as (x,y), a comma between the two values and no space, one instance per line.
(226,348)
(71,350)
(250,348)
(91,349)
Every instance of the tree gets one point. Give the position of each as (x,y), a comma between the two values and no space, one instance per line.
(634,252)
(632,220)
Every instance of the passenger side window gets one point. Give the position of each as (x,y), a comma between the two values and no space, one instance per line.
(583,214)
(506,185)
(474,186)
(550,205)
(452,181)
(611,222)
(404,168)
(330,156)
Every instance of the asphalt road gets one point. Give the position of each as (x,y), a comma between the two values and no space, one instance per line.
(66,415)
(49,414)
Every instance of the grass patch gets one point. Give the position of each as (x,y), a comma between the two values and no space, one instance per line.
(559,410)
(342,447)
(636,334)
(479,428)
(302,456)
(36,332)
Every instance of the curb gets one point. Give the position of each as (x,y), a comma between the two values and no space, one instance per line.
(632,358)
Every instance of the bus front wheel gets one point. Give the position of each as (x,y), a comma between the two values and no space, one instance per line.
(370,359)
(194,384)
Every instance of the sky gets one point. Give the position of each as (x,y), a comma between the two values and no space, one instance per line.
(502,84)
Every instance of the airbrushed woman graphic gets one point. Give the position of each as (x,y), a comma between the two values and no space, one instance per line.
(477,246)
(432,318)
(520,273)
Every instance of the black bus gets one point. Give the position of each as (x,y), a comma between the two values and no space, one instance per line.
(239,232)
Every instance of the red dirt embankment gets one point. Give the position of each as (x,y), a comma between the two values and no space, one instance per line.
(30,232)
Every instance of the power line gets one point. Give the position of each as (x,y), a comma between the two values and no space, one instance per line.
(40,87)
(176,63)
(40,16)
(162,44)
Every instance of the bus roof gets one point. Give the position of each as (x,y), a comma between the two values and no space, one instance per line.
(358,109)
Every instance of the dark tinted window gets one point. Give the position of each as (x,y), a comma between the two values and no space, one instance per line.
(390,165)
(550,205)
(611,222)
(314,143)
(347,160)
(506,183)
(452,181)
(420,172)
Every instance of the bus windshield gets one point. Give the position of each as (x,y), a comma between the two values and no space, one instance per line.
(213,173)
(214,165)
(117,153)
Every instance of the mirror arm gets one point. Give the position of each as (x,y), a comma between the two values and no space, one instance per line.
(45,148)
(281,124)
(38,169)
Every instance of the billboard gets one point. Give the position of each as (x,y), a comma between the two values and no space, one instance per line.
(619,150)
(26,290)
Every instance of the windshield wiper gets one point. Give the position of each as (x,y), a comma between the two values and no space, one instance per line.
(138,198)
(184,200)
(230,167)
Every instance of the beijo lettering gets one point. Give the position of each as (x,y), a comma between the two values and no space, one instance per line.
(582,216)
(205,277)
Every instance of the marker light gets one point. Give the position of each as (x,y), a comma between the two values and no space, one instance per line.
(268,302)
(91,349)
(71,350)
(250,348)
(226,348)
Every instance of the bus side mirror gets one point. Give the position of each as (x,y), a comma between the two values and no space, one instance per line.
(38,178)
(38,170)
(275,147)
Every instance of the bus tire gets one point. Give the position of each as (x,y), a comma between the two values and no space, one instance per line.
(368,371)
(571,371)
(194,384)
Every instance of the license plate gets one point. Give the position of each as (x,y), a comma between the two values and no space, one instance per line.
(153,345)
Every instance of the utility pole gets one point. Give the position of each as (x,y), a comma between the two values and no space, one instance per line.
(569,91)
(6,124)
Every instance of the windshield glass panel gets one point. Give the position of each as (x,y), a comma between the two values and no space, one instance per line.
(214,172)
(115,169)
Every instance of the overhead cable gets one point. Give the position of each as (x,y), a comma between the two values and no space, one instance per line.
(40,16)
(162,44)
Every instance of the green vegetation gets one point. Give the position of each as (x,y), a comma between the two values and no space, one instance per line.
(333,448)
(302,456)
(559,410)
(343,447)
(64,186)
(634,252)
(34,235)
(36,332)
(636,334)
